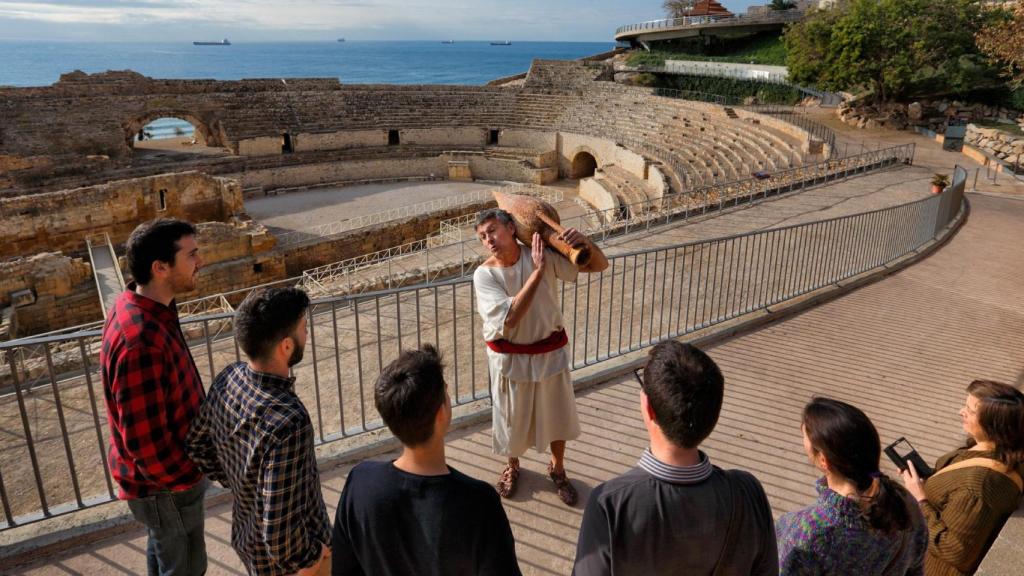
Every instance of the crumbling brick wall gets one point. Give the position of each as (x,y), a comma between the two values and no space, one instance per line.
(62,220)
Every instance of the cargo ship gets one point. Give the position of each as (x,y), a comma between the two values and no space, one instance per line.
(223,42)
(505,43)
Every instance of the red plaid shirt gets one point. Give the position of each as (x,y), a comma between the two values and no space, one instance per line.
(153,391)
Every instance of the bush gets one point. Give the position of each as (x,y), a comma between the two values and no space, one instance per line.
(736,89)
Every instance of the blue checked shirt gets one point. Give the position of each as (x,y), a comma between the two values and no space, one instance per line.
(254,436)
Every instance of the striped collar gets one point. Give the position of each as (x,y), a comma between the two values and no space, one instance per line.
(676,474)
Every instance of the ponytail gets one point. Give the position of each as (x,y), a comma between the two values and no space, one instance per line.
(887,509)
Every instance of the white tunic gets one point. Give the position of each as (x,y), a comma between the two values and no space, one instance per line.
(532,397)
(495,288)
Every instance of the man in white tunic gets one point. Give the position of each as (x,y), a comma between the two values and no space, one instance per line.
(531,391)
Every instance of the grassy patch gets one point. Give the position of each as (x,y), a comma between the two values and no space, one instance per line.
(758,49)
(1014,129)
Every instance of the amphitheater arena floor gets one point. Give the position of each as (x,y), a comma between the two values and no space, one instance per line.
(308,209)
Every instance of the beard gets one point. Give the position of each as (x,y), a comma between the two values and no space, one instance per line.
(296,356)
(182,284)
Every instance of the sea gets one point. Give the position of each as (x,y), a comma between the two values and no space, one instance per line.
(353,62)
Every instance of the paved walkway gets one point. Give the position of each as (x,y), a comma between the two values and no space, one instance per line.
(903,349)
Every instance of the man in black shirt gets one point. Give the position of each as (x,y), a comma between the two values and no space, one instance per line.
(675,513)
(416,514)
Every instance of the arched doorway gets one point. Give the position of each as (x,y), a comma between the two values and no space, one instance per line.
(583,165)
(159,134)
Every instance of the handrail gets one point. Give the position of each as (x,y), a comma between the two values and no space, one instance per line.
(685,21)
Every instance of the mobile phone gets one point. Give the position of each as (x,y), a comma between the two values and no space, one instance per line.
(901,451)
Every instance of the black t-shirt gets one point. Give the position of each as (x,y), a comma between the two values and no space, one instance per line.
(390,522)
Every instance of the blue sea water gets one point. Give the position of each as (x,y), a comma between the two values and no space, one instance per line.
(354,62)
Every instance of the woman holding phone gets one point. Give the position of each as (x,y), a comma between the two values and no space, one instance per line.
(863,523)
(974,488)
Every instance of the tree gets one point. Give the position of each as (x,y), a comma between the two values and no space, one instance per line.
(1002,40)
(781,5)
(678,8)
(894,48)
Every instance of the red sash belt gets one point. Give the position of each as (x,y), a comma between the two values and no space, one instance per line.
(550,344)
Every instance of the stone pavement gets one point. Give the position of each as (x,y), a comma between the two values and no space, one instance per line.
(903,349)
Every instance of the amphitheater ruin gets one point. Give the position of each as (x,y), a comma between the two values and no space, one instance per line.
(364,195)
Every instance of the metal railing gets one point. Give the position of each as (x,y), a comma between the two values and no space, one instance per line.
(653,25)
(53,456)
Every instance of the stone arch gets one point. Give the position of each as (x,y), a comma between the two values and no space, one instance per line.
(584,164)
(210,133)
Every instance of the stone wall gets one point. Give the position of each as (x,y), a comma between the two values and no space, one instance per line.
(235,255)
(337,140)
(61,221)
(997,144)
(447,136)
(327,172)
(484,168)
(934,115)
(532,139)
(63,289)
(598,196)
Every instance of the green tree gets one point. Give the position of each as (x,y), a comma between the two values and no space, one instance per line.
(780,5)
(896,48)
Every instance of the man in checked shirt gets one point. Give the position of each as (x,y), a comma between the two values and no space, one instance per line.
(152,392)
(254,436)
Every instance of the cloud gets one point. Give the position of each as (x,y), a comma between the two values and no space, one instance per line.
(167,20)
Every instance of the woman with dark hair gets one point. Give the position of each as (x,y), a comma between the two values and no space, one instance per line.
(863,522)
(974,488)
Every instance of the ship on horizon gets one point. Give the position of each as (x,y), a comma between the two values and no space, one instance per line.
(447,41)
(223,42)
(505,43)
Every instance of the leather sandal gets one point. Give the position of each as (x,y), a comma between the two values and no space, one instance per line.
(507,482)
(566,492)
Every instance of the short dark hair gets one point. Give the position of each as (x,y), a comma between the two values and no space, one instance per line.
(684,387)
(1001,416)
(266,317)
(156,240)
(498,214)
(850,443)
(409,392)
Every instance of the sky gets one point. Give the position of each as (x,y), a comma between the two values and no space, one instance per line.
(319,20)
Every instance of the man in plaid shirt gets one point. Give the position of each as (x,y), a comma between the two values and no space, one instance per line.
(152,391)
(254,436)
